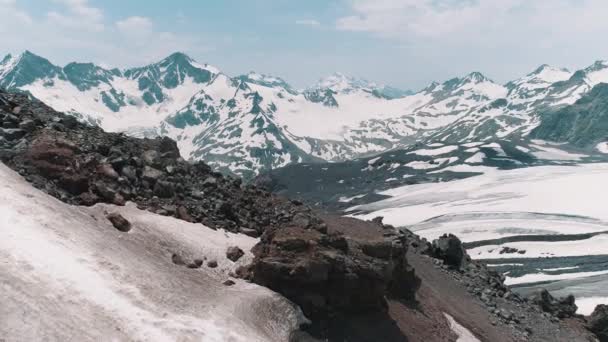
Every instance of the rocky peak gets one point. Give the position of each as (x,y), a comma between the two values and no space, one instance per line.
(26,69)
(87,75)
(475,78)
(170,73)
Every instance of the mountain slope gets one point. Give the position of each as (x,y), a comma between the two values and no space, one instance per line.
(253,122)
(584,123)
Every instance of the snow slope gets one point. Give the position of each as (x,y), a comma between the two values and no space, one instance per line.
(65,272)
(537,224)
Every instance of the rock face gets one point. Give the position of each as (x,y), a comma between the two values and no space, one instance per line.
(559,307)
(449,248)
(330,275)
(598,322)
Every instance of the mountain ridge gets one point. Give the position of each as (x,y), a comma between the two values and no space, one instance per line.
(254,122)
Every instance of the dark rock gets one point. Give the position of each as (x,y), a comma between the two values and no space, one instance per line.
(27,125)
(234,253)
(598,322)
(182,214)
(151,174)
(378,220)
(177,259)
(561,308)
(302,220)
(119,222)
(196,263)
(449,249)
(212,264)
(229,282)
(129,172)
(164,189)
(11,134)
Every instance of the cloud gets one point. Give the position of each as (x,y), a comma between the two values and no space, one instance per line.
(135,25)
(410,20)
(308,22)
(11,15)
(77,14)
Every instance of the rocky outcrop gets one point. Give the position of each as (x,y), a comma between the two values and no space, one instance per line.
(559,307)
(598,322)
(332,274)
(449,249)
(84,165)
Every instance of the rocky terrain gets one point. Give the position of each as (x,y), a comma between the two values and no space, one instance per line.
(298,254)
(354,280)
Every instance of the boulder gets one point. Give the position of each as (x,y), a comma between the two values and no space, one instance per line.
(119,222)
(234,253)
(598,322)
(560,307)
(449,249)
(151,174)
(307,267)
(164,189)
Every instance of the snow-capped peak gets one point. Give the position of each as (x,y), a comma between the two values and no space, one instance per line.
(339,82)
(550,74)
(475,77)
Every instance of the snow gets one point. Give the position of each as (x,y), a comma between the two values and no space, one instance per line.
(505,265)
(68,267)
(463,334)
(602,147)
(422,165)
(543,199)
(542,277)
(597,245)
(559,269)
(477,158)
(586,305)
(372,161)
(436,151)
(345,199)
(551,153)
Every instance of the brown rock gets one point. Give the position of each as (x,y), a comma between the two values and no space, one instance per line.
(119,222)
(234,253)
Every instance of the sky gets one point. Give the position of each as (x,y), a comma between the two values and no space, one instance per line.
(403,43)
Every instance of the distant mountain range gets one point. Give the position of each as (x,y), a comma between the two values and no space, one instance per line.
(253,122)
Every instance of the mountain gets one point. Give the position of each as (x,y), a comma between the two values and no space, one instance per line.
(255,122)
(584,123)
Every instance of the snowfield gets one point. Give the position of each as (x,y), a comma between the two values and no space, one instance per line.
(530,198)
(492,208)
(65,272)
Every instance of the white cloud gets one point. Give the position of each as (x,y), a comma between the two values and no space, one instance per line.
(308,22)
(11,15)
(135,25)
(78,14)
(474,19)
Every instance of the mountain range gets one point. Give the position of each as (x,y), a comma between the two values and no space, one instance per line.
(252,123)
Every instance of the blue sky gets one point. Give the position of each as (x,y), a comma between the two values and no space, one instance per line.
(405,43)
